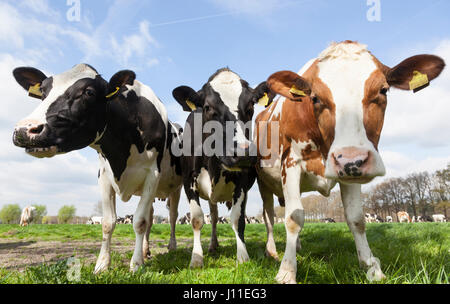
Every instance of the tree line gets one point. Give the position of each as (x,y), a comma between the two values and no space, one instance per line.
(419,193)
(10,214)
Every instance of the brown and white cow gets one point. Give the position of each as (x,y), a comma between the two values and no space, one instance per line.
(403,217)
(329,122)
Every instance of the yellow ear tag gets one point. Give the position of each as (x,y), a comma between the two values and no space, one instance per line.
(263,101)
(113,93)
(418,82)
(35,91)
(296,91)
(191,105)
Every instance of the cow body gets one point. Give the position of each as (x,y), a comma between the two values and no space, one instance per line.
(327,126)
(403,217)
(125,123)
(389,219)
(438,218)
(28,213)
(222,171)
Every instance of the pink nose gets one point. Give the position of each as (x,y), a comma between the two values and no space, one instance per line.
(30,127)
(351,162)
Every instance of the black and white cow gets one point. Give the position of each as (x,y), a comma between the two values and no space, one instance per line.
(125,122)
(228,173)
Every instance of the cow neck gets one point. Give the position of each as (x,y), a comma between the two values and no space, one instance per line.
(114,142)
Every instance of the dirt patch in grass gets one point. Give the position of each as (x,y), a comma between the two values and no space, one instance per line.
(19,254)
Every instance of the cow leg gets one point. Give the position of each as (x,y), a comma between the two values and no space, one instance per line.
(108,223)
(197,219)
(294,220)
(214,213)
(141,218)
(268,215)
(173,201)
(146,244)
(351,198)
(238,224)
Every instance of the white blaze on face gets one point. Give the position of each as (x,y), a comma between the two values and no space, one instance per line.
(60,84)
(344,68)
(229,87)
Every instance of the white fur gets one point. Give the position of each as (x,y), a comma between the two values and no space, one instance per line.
(344,68)
(61,83)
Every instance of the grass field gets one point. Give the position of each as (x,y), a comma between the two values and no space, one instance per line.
(409,253)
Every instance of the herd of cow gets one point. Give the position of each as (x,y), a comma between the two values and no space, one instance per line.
(322,129)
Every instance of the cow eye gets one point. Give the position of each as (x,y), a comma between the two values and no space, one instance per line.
(89,92)
(384,91)
(316,100)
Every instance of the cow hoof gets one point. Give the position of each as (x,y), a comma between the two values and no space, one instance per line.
(273,255)
(213,248)
(374,274)
(146,254)
(243,257)
(172,246)
(134,265)
(286,277)
(101,267)
(196,261)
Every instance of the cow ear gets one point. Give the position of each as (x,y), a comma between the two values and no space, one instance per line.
(30,79)
(415,73)
(120,79)
(264,95)
(289,84)
(187,98)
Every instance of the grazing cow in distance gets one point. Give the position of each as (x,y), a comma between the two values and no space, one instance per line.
(251,220)
(27,216)
(217,164)
(378,219)
(222,220)
(207,219)
(328,220)
(370,218)
(126,123)
(95,220)
(403,217)
(185,220)
(328,123)
(389,219)
(426,218)
(439,218)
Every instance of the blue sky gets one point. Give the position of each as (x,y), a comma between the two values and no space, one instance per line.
(172,43)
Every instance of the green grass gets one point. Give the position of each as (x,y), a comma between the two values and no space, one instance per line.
(409,254)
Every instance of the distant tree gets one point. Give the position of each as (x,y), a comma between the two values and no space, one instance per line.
(10,214)
(41,211)
(65,214)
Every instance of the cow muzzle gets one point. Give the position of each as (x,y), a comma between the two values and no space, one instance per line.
(354,165)
(32,136)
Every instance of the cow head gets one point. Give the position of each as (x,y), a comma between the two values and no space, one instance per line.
(347,88)
(226,98)
(72,112)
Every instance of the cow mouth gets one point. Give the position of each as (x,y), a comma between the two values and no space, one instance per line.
(355,180)
(43,152)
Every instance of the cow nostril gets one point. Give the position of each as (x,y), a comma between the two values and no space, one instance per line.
(36,130)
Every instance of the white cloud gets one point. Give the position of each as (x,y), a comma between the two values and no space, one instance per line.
(133,45)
